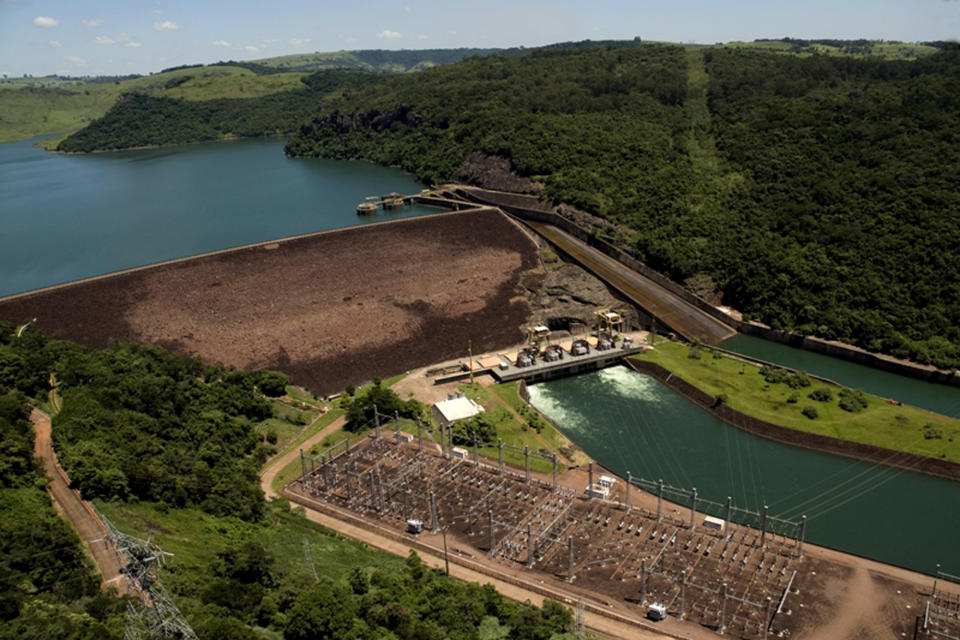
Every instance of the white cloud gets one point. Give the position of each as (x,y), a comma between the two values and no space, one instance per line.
(166,25)
(422,36)
(77,60)
(45,21)
(133,43)
(251,48)
(55,44)
(92,22)
(221,43)
(299,41)
(348,39)
(387,34)
(104,40)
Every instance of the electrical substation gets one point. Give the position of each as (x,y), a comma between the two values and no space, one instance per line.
(618,540)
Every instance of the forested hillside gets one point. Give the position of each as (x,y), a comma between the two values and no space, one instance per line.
(169,446)
(815,192)
(140,119)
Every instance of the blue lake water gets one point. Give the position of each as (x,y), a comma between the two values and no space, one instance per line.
(65,217)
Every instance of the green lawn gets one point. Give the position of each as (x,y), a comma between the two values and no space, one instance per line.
(903,427)
(514,419)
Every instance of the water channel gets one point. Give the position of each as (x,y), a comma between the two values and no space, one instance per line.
(630,422)
(65,217)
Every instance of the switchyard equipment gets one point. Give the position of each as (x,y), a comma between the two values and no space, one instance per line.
(736,580)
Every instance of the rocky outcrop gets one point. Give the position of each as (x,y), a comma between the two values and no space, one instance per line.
(568,296)
(493,172)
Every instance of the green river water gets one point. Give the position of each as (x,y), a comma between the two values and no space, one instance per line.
(630,422)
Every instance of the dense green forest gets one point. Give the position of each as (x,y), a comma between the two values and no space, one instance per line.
(815,192)
(139,119)
(48,587)
(168,445)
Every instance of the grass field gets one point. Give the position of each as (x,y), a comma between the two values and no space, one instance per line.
(904,428)
(56,106)
(195,537)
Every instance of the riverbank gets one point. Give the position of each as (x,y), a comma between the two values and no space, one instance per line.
(734,392)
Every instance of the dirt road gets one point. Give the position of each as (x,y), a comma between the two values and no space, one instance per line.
(278,463)
(68,502)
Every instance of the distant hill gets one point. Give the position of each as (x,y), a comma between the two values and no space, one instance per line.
(383,60)
(58,104)
(887,49)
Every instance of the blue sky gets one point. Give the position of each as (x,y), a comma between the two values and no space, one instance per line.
(79,37)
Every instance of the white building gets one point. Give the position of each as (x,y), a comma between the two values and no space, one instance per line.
(457,407)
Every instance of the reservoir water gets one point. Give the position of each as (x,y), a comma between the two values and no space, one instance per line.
(630,422)
(65,217)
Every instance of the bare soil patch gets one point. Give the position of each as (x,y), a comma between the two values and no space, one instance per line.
(329,309)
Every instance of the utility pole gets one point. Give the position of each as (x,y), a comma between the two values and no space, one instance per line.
(303,467)
(643,582)
(376,419)
(433,513)
(693,510)
(570,550)
(470,353)
(446,558)
(500,456)
(729,510)
(659,500)
(803,530)
(492,536)
(723,611)
(763,526)
(554,473)
(629,481)
(683,592)
(526,460)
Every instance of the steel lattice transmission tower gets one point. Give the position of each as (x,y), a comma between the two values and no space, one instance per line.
(154,615)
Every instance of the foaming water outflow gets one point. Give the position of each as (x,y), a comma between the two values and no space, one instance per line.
(625,383)
(555,406)
(629,421)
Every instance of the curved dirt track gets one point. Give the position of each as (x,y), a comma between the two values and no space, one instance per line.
(80,514)
(328,309)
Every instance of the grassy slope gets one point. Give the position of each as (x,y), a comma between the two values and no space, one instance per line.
(30,111)
(888,50)
(879,424)
(195,537)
